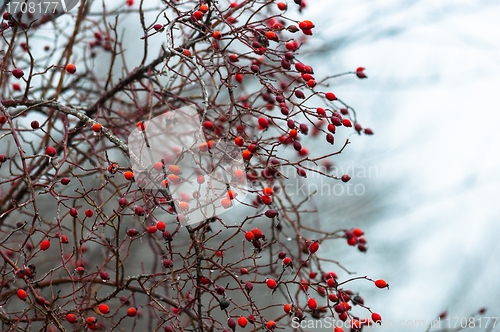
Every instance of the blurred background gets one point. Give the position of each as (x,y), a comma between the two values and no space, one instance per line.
(430,212)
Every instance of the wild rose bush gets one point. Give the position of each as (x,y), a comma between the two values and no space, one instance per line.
(86,245)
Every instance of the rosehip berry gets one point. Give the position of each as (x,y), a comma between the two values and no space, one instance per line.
(131,312)
(311,303)
(226,203)
(128,175)
(51,151)
(360,73)
(314,247)
(122,202)
(89,213)
(347,123)
(158,27)
(242,321)
(287,308)
(249,236)
(45,245)
(160,225)
(257,233)
(271,213)
(282,6)
(263,122)
(167,263)
(271,325)
(271,283)
(71,68)
(376,318)
(267,200)
(152,229)
(368,131)
(380,283)
(73,212)
(96,127)
(71,318)
(239,141)
(287,261)
(345,178)
(18,73)
(91,320)
(35,124)
(243,270)
(299,94)
(338,329)
(217,35)
(65,181)
(301,172)
(358,127)
(139,211)
(231,323)
(198,15)
(330,96)
(246,155)
(21,294)
(103,308)
(204,8)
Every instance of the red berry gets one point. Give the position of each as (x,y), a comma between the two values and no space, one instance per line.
(96,127)
(217,35)
(132,232)
(338,329)
(158,27)
(71,318)
(45,245)
(347,123)
(242,321)
(226,203)
(287,308)
(51,151)
(231,323)
(299,94)
(243,270)
(249,236)
(360,73)
(21,294)
(271,325)
(380,283)
(152,229)
(160,225)
(267,200)
(358,232)
(104,275)
(65,181)
(311,303)
(287,261)
(368,131)
(128,175)
(35,124)
(73,212)
(131,312)
(330,96)
(71,68)
(314,247)
(271,213)
(198,15)
(89,213)
(18,73)
(263,122)
(239,141)
(139,211)
(345,178)
(376,317)
(271,283)
(258,233)
(246,154)
(103,308)
(204,8)
(122,201)
(167,263)
(282,6)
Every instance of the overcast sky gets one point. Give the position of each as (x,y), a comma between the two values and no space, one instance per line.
(432,100)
